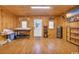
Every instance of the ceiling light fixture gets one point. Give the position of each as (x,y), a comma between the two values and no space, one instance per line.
(40,7)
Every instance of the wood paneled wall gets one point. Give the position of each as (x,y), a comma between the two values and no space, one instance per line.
(45,21)
(7,19)
(63,22)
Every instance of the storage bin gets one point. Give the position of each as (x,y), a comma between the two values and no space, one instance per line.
(11,36)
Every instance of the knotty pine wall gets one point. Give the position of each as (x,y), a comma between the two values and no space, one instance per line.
(63,22)
(7,19)
(45,21)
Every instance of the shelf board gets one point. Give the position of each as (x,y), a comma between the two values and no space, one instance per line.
(74,27)
(74,37)
(75,33)
(73,42)
(73,21)
(68,36)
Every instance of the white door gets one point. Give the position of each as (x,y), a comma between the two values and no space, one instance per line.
(37,28)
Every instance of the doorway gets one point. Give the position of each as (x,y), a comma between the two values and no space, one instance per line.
(38,28)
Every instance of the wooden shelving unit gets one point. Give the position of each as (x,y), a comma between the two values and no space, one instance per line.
(73,35)
(73,30)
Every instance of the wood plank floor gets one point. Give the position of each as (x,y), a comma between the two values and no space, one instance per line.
(39,46)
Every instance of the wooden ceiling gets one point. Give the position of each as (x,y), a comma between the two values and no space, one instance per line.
(22,10)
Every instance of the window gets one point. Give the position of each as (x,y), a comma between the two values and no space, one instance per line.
(51,24)
(24,24)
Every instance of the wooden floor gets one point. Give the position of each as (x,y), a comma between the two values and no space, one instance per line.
(39,46)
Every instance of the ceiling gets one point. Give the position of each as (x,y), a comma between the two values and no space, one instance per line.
(22,10)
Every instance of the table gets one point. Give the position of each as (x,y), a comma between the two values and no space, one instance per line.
(22,32)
